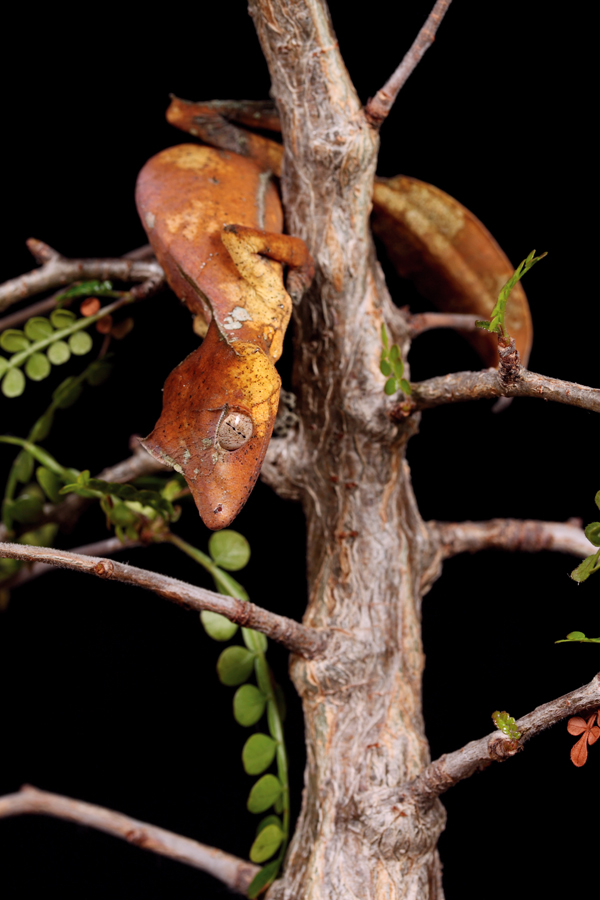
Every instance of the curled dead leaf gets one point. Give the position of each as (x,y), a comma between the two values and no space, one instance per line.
(450,256)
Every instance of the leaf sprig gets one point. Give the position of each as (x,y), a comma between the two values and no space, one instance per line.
(578,637)
(591,563)
(506,724)
(46,342)
(496,323)
(392,367)
(235,665)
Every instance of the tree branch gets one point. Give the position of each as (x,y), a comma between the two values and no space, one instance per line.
(107,547)
(57,270)
(527,535)
(378,107)
(461,386)
(306,642)
(451,768)
(421,322)
(235,873)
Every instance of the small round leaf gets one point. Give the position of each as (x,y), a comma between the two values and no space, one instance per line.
(575,636)
(3,365)
(255,640)
(264,793)
(80,343)
(592,533)
(262,879)
(13,383)
(38,328)
(229,549)
(268,820)
(62,318)
(266,844)
(235,665)
(23,467)
(385,368)
(390,387)
(13,340)
(41,428)
(98,372)
(58,353)
(216,626)
(37,367)
(67,392)
(248,705)
(50,483)
(27,508)
(258,753)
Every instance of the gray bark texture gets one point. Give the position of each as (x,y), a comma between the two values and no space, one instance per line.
(369,553)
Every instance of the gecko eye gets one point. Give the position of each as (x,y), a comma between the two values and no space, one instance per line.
(234,431)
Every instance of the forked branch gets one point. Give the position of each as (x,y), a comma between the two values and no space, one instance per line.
(56,270)
(451,768)
(235,873)
(487,384)
(307,642)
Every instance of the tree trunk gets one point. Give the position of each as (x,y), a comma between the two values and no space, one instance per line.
(368,550)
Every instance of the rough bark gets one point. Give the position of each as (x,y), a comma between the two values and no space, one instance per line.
(367,545)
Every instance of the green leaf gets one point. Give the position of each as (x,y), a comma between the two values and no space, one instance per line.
(384,367)
(586,568)
(23,467)
(67,392)
(235,665)
(229,549)
(9,567)
(228,585)
(62,318)
(58,352)
(38,328)
(216,626)
(3,365)
(506,724)
(80,343)
(269,820)
(13,340)
(258,753)
(40,537)
(384,336)
(264,793)
(278,805)
(390,387)
(597,499)
(578,637)
(262,879)
(37,367)
(405,387)
(398,368)
(88,289)
(394,353)
(41,428)
(27,508)
(481,323)
(266,844)
(255,640)
(13,383)
(248,705)
(98,372)
(50,482)
(592,533)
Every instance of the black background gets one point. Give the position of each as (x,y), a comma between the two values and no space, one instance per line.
(109,694)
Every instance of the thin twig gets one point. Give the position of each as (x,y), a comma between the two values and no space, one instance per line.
(107,547)
(421,322)
(235,873)
(57,270)
(307,642)
(487,384)
(451,768)
(527,535)
(379,106)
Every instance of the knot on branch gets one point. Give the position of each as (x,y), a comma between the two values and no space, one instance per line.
(501,748)
(104,568)
(509,366)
